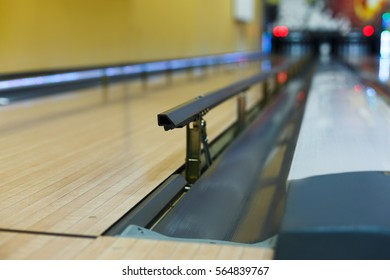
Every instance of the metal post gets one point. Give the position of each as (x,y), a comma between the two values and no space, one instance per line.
(276,83)
(144,79)
(190,72)
(241,111)
(105,83)
(205,142)
(168,75)
(193,151)
(266,94)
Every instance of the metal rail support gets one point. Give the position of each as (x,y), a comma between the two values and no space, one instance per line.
(144,79)
(193,151)
(205,142)
(105,84)
(266,93)
(276,83)
(241,111)
(196,136)
(168,76)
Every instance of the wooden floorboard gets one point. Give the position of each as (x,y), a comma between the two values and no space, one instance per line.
(148,249)
(19,246)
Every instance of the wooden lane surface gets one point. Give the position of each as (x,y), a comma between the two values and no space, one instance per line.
(75,163)
(19,246)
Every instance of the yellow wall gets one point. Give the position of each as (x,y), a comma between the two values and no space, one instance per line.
(47,34)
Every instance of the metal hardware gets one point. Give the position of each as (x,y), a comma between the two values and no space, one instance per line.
(196,137)
(168,75)
(241,111)
(205,142)
(105,83)
(266,93)
(193,150)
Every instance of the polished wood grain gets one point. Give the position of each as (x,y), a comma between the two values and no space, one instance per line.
(75,163)
(19,246)
(125,248)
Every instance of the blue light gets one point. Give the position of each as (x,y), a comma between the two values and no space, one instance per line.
(384,69)
(178,64)
(49,79)
(370,92)
(386,21)
(156,66)
(267,42)
(385,44)
(113,71)
(132,69)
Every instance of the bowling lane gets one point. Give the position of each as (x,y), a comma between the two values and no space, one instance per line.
(75,163)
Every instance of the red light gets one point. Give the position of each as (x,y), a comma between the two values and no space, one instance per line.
(358,88)
(301,96)
(282,77)
(280,31)
(368,30)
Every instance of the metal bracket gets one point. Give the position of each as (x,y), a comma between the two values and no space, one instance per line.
(205,142)
(266,93)
(193,151)
(241,111)
(196,136)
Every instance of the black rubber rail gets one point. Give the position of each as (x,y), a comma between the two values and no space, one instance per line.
(337,217)
(187,112)
(215,205)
